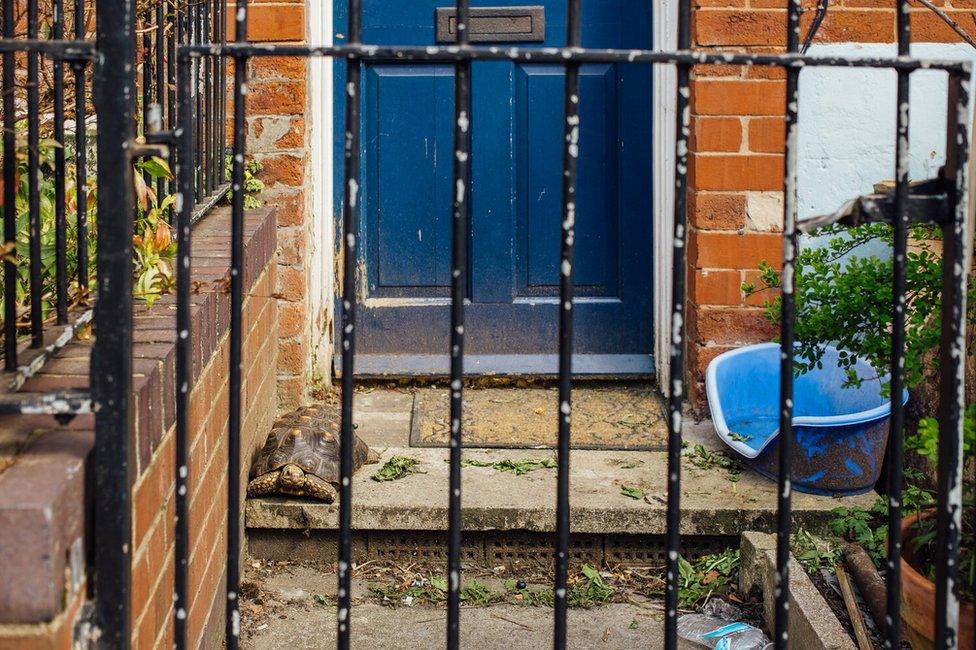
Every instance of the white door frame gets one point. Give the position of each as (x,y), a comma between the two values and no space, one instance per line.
(318,200)
(320,205)
(665,98)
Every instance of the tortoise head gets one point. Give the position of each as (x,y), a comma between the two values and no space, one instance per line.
(292,479)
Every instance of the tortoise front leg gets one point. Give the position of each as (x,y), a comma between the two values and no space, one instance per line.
(320,489)
(264,484)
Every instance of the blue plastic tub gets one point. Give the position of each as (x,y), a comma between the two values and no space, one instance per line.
(840,433)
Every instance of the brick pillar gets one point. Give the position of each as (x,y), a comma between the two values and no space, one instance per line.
(277,137)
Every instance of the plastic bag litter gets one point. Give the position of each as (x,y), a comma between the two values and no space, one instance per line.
(716,627)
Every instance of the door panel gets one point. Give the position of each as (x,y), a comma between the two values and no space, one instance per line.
(539,133)
(407,209)
(516,185)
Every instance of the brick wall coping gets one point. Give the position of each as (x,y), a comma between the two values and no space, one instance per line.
(42,495)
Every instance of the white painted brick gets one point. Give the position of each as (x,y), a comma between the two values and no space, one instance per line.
(764,211)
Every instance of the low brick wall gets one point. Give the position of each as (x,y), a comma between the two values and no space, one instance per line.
(153,440)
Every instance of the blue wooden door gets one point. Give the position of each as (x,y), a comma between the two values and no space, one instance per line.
(404,266)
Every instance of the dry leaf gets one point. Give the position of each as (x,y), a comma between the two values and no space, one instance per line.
(8,252)
(84,333)
(163,236)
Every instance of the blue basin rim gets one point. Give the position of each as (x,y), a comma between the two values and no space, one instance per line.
(721,426)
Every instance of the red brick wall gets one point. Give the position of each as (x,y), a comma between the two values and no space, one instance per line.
(153,503)
(277,136)
(736,166)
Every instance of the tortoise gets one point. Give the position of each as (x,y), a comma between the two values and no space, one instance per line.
(301,456)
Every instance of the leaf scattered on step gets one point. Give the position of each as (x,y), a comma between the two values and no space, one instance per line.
(703,458)
(540,411)
(738,437)
(634,624)
(396,468)
(632,492)
(517,467)
(625,463)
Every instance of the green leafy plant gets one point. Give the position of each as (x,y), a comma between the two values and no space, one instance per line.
(812,552)
(589,589)
(845,300)
(431,589)
(632,492)
(153,246)
(477,593)
(865,527)
(20,251)
(926,443)
(517,467)
(396,468)
(253,186)
(702,458)
(707,575)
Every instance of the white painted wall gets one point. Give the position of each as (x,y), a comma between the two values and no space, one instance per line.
(847,123)
(321,272)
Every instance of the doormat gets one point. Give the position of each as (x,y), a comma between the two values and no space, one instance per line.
(626,417)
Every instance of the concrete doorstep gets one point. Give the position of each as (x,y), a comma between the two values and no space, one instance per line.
(712,503)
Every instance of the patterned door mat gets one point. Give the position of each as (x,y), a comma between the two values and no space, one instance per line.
(605,416)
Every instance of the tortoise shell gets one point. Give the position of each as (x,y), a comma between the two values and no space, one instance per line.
(308,438)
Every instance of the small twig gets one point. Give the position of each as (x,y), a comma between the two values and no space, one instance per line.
(853,611)
(950,22)
(521,625)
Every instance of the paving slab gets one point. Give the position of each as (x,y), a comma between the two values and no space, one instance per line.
(283,608)
(503,626)
(712,503)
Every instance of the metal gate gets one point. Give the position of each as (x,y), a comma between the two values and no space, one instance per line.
(461,54)
(198,142)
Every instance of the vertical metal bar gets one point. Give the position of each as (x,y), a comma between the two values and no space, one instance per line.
(172,119)
(566,291)
(207,115)
(787,315)
(197,38)
(184,174)
(222,92)
(952,352)
(350,236)
(213,116)
(33,189)
(892,628)
(171,82)
(147,84)
(81,156)
(9,197)
(459,285)
(159,77)
(60,225)
(677,360)
(236,315)
(114,87)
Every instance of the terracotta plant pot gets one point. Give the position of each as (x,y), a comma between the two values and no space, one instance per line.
(918,596)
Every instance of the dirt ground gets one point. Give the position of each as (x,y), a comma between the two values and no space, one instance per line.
(292,604)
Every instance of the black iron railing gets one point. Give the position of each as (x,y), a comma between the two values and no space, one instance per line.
(22,116)
(40,314)
(184,62)
(953,181)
